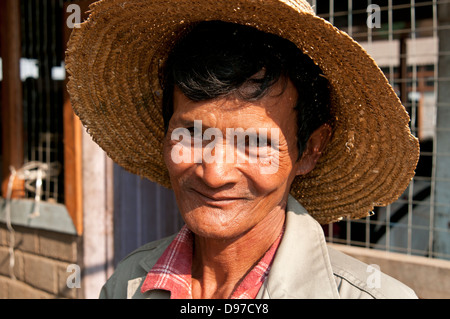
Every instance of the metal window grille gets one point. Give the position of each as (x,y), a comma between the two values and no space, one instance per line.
(408,45)
(42,74)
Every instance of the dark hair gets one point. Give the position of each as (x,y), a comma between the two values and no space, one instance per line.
(217,59)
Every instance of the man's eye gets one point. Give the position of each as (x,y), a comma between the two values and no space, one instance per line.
(257,141)
(251,141)
(195,136)
(191,130)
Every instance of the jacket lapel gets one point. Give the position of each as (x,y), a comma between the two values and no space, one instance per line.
(147,263)
(134,291)
(301,268)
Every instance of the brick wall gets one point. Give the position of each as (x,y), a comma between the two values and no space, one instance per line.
(41,261)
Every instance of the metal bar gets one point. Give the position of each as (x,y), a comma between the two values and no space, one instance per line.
(350,17)
(434,159)
(413,123)
(331,16)
(390,37)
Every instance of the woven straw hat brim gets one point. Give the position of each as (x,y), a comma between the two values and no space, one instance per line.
(114,61)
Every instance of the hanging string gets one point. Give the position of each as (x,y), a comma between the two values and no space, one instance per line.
(8,223)
(31,172)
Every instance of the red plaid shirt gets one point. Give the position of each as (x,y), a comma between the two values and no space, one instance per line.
(172,271)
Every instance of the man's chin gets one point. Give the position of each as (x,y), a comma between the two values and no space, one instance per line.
(215,229)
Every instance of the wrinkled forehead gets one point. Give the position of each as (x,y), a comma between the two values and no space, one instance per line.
(276,109)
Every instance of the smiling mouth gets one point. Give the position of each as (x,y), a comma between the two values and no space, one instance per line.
(216,199)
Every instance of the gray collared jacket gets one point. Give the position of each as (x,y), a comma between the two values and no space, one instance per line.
(304,267)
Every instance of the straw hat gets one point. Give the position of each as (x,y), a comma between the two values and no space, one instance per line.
(115,57)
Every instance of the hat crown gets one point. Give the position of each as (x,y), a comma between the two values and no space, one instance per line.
(300,5)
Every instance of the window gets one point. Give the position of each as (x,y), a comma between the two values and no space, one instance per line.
(42,57)
(38,124)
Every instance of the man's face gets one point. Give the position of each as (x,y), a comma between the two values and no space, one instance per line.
(223,198)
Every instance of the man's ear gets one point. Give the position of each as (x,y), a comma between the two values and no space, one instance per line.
(314,148)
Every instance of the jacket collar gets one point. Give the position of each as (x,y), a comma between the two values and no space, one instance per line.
(301,268)
(147,263)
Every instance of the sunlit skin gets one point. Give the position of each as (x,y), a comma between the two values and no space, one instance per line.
(235,211)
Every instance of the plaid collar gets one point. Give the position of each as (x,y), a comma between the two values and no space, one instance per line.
(172,271)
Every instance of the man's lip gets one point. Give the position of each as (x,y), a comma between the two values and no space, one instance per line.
(216,198)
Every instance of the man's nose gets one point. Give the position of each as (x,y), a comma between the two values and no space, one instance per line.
(216,174)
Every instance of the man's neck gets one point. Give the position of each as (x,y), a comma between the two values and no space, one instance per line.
(219,265)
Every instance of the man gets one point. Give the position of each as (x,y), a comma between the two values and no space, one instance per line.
(245,110)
